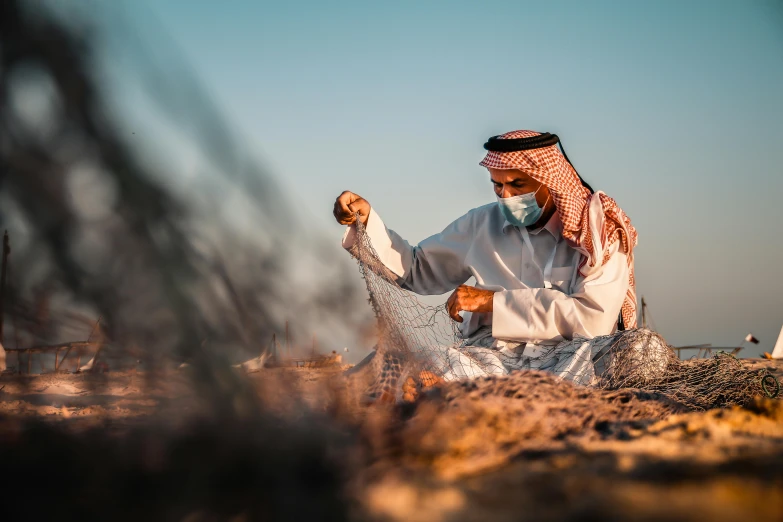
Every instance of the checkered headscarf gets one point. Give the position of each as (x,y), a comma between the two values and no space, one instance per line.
(574,203)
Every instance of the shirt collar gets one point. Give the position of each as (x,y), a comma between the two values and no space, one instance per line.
(554,226)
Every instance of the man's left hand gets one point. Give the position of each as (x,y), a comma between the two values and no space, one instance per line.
(469,299)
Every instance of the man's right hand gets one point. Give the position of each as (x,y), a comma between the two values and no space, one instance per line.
(347,205)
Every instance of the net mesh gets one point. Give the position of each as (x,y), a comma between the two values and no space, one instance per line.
(419,345)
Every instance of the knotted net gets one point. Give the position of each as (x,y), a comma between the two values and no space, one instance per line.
(419,345)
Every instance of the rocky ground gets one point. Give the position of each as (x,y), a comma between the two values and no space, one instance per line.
(522,447)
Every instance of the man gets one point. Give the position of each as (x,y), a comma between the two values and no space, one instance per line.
(552,260)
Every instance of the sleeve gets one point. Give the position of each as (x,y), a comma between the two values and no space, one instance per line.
(434,266)
(540,315)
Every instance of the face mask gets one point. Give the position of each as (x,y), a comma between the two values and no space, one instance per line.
(522,210)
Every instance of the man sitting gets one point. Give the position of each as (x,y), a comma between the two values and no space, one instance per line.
(552,261)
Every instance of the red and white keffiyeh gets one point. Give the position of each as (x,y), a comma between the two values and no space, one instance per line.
(591,222)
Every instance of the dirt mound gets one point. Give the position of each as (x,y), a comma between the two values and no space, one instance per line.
(466,427)
(529,447)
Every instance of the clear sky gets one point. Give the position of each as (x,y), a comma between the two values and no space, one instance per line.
(674,108)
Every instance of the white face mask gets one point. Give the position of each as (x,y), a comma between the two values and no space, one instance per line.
(522,210)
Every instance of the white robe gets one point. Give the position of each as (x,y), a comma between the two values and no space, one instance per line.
(581,361)
(545,312)
(540,295)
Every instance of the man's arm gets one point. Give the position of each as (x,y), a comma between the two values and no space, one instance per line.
(435,266)
(539,314)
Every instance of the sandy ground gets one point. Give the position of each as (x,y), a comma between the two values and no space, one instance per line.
(519,448)
(528,448)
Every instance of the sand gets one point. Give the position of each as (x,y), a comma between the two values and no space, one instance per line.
(521,447)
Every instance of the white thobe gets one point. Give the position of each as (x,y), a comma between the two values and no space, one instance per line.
(526,308)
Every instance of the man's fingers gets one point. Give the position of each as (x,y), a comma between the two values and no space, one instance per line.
(452,308)
(347,205)
(359,206)
(355,207)
(344,218)
(346,198)
(342,211)
(345,208)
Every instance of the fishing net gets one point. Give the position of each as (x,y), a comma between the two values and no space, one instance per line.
(419,345)
(632,360)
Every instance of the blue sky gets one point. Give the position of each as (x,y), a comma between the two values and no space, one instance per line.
(672,108)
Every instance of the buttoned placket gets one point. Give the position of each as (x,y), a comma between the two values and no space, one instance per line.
(547,270)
